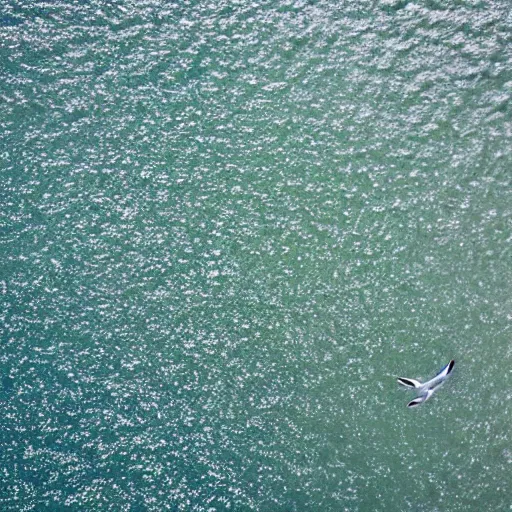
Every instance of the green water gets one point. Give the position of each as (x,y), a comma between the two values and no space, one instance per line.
(227,227)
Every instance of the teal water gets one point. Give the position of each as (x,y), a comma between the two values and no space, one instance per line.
(227,227)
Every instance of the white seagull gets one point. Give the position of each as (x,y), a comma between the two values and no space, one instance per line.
(426,389)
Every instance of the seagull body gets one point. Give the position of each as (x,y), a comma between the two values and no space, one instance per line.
(427,389)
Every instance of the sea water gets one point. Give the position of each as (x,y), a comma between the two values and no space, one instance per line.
(227,227)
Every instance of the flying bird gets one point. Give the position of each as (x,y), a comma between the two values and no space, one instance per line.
(426,390)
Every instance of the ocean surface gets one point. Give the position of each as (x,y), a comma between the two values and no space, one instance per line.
(227,227)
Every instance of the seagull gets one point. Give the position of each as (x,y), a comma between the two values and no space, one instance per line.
(426,389)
